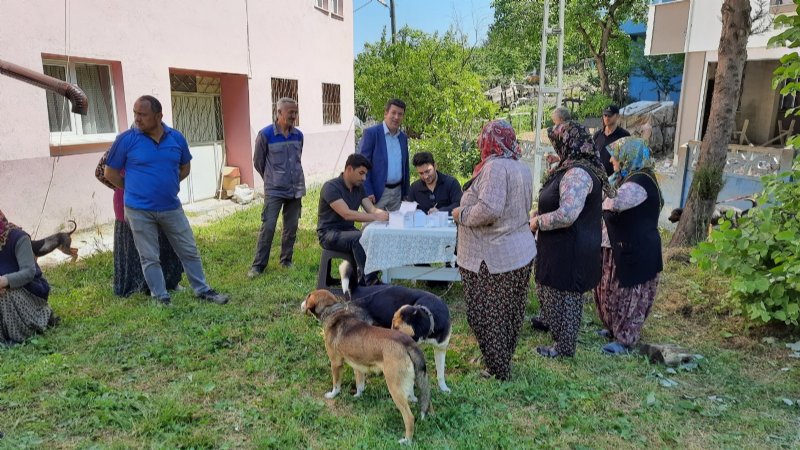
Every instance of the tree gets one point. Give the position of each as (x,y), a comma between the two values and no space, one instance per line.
(664,71)
(598,23)
(593,30)
(708,179)
(433,74)
(436,75)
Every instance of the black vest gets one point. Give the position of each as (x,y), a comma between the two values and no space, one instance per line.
(635,242)
(569,259)
(8,264)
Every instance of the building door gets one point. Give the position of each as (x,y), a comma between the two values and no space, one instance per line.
(198,116)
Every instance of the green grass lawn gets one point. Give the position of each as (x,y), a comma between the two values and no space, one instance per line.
(125,373)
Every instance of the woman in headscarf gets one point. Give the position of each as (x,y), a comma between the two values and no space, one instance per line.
(23,291)
(632,262)
(495,247)
(128,276)
(568,240)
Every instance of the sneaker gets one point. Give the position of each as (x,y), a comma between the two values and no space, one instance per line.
(164,301)
(214,297)
(253,273)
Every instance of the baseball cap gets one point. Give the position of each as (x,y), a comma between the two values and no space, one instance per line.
(610,110)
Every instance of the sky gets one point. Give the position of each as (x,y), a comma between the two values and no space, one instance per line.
(370,18)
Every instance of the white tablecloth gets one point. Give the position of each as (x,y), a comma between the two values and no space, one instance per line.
(395,247)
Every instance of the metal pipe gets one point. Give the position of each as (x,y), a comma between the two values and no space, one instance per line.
(78,99)
(394,22)
(537,160)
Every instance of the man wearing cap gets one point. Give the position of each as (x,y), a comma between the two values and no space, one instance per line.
(608,134)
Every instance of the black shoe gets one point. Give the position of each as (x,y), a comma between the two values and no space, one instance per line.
(287,265)
(164,301)
(539,325)
(214,297)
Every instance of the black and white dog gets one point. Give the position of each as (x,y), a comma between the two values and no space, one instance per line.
(417,313)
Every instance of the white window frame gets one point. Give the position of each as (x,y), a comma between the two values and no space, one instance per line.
(336,9)
(321,5)
(76,136)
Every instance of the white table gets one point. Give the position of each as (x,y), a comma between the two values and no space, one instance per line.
(394,251)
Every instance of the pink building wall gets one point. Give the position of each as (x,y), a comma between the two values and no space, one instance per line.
(143,40)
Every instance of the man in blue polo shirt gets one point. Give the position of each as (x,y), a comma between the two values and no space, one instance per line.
(155,159)
(279,149)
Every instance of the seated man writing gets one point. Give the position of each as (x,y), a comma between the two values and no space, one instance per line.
(434,191)
(338,210)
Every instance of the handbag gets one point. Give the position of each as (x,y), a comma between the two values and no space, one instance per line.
(100,171)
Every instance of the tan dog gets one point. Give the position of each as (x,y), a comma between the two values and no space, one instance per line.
(366,348)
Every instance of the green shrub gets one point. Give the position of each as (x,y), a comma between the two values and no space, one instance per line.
(593,106)
(453,156)
(762,254)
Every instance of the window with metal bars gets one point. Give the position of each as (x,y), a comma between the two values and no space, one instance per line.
(283,87)
(331,104)
(96,81)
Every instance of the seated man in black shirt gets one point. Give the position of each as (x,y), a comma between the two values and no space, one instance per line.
(434,191)
(338,210)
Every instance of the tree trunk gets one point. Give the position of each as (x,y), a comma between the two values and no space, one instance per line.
(708,179)
(602,73)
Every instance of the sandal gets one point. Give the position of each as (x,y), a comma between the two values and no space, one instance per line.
(605,333)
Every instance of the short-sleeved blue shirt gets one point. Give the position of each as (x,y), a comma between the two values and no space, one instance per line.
(152,169)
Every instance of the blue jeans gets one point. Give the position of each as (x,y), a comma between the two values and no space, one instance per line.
(144,226)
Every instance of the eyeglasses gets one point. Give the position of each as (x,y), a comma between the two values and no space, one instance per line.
(431,196)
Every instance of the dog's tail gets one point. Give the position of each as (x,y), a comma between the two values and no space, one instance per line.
(421,378)
(345,273)
(74,227)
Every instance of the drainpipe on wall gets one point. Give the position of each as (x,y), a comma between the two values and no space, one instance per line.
(78,99)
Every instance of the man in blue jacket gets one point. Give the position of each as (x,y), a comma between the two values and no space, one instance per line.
(386,147)
(277,158)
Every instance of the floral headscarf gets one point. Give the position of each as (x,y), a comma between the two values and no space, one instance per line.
(573,144)
(633,155)
(5,229)
(497,139)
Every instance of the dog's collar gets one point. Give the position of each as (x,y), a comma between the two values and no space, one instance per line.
(430,316)
(332,310)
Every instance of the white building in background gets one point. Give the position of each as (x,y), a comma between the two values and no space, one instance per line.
(217,67)
(693,27)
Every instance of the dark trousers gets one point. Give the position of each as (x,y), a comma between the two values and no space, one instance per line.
(269,220)
(347,241)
